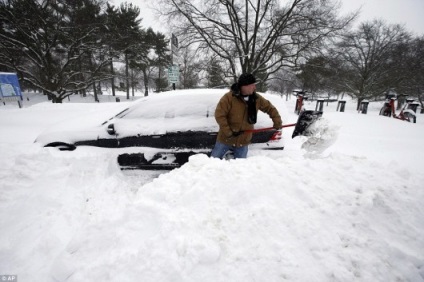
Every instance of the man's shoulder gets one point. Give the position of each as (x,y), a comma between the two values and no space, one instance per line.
(262,97)
(259,95)
(227,96)
(230,93)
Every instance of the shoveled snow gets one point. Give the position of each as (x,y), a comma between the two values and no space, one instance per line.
(345,205)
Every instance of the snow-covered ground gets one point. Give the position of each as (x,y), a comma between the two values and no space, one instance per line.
(346,205)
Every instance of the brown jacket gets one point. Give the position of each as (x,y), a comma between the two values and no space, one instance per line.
(231,116)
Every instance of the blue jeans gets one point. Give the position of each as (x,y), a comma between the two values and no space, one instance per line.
(220,149)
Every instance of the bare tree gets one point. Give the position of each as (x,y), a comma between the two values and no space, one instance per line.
(285,82)
(189,68)
(260,36)
(366,54)
(408,57)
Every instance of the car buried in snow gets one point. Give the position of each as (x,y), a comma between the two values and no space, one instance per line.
(160,131)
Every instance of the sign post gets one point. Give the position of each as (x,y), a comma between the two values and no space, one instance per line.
(174,69)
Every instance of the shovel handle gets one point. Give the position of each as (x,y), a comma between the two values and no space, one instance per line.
(267,128)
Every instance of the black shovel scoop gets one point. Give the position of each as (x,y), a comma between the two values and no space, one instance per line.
(305,119)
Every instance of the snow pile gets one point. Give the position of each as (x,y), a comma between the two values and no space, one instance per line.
(353,212)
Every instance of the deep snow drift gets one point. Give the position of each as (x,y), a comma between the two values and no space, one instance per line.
(345,206)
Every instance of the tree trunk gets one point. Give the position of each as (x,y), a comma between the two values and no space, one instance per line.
(49,97)
(132,83)
(56,99)
(127,75)
(96,98)
(82,78)
(359,103)
(112,80)
(146,82)
(159,80)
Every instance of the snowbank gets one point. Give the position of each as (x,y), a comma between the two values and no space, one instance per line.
(350,210)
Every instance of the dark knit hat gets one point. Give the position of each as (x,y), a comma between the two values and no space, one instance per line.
(246,79)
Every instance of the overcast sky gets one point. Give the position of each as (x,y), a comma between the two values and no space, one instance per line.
(407,12)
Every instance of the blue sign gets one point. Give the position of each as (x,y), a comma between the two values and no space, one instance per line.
(9,85)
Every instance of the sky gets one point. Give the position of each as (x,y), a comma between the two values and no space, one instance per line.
(407,12)
(344,204)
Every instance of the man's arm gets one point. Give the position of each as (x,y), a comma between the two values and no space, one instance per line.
(267,107)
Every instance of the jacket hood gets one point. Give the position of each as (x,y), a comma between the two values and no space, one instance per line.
(235,89)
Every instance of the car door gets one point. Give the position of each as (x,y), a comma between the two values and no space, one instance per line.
(155,141)
(191,139)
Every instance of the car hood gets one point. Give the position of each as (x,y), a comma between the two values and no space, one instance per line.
(88,126)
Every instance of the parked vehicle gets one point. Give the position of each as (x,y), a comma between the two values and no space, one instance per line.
(176,122)
(166,129)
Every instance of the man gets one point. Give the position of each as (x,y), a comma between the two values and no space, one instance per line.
(237,112)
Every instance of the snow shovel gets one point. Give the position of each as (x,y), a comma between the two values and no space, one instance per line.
(305,119)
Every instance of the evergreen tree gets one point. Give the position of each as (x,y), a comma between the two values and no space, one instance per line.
(162,59)
(215,74)
(40,42)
